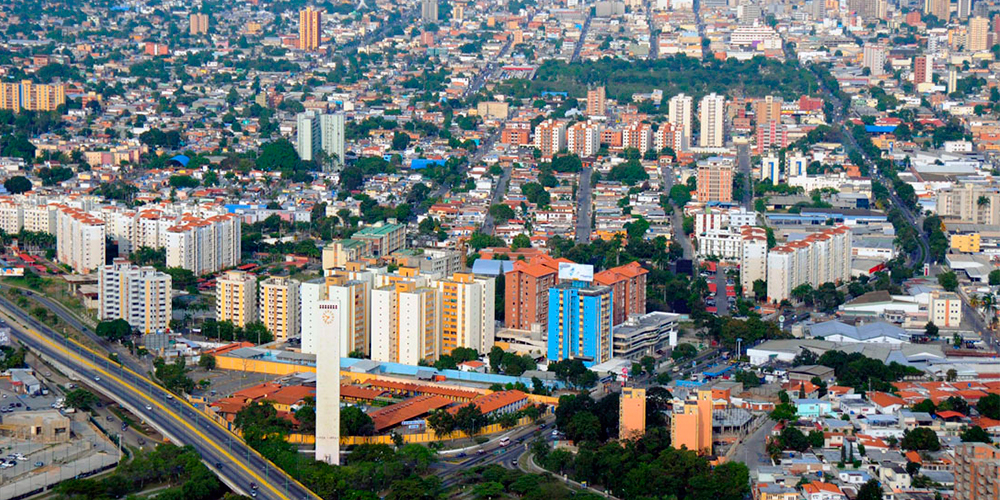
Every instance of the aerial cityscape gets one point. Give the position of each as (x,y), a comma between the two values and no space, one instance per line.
(500,249)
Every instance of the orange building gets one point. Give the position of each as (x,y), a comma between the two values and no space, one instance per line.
(715,183)
(31,96)
(595,101)
(310,28)
(527,292)
(628,284)
(692,428)
(632,413)
(977,472)
(517,133)
(156,49)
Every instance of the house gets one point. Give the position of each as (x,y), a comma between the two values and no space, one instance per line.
(881,426)
(771,491)
(822,491)
(913,419)
(472,366)
(857,406)
(893,476)
(811,408)
(887,404)
(853,476)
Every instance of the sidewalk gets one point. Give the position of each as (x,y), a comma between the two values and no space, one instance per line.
(526,462)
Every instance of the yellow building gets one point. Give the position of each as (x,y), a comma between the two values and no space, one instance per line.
(310,28)
(236,298)
(968,243)
(467,312)
(279,306)
(632,413)
(198,24)
(692,427)
(31,96)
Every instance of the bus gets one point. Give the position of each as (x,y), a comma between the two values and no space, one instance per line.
(504,441)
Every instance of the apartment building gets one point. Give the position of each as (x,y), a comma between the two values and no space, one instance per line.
(236,298)
(977,472)
(770,168)
(712,114)
(579,323)
(527,292)
(819,258)
(278,304)
(720,243)
(467,312)
(670,136)
(204,246)
(632,413)
(31,96)
(198,24)
(404,323)
(80,240)
(596,101)
(353,299)
(767,109)
(715,182)
(628,284)
(583,138)
(638,135)
(753,257)
(680,113)
(310,28)
(691,424)
(139,295)
(945,310)
(382,238)
(966,203)
(550,137)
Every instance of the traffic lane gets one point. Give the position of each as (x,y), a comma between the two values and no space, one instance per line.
(236,475)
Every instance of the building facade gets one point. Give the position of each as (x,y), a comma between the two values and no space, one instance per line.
(467,312)
(279,306)
(139,295)
(715,183)
(236,298)
(310,28)
(580,323)
(80,240)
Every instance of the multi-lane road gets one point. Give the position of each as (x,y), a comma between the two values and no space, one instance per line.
(584,206)
(229,457)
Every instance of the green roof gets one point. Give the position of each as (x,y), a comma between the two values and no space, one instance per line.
(378,230)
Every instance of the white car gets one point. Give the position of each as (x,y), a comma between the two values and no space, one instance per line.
(149,408)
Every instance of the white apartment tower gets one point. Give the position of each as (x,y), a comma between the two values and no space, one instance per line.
(139,295)
(680,109)
(80,242)
(204,246)
(308,135)
(404,323)
(332,136)
(819,258)
(712,116)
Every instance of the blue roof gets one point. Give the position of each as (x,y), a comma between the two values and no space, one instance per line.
(183,160)
(488,267)
(718,371)
(879,129)
(421,163)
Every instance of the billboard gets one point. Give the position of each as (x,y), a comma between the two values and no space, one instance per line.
(11,271)
(575,272)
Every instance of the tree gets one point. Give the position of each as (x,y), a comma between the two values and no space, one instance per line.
(931,330)
(306,415)
(536,194)
(207,362)
(113,330)
(501,213)
(441,422)
(17,184)
(975,434)
(871,490)
(470,419)
(629,173)
(920,439)
(521,241)
(989,406)
(400,141)
(948,281)
(995,275)
(759,290)
(783,412)
(927,406)
(683,351)
(81,399)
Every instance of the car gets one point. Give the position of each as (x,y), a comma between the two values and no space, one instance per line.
(39,464)
(142,441)
(480,451)
(4,396)
(253,486)
(515,463)
(170,396)
(462,455)
(100,404)
(253,493)
(17,405)
(218,465)
(110,418)
(149,408)
(97,379)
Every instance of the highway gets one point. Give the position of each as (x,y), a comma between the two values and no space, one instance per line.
(498,192)
(583,38)
(236,464)
(743,163)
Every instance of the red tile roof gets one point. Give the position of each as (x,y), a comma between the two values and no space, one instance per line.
(398,413)
(492,402)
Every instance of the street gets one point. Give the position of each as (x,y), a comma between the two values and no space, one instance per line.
(584,206)
(498,192)
(743,162)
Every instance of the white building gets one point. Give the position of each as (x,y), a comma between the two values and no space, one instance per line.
(712,114)
(720,243)
(328,385)
(584,138)
(332,136)
(139,295)
(404,322)
(770,168)
(945,310)
(753,257)
(308,135)
(204,246)
(796,165)
(680,113)
(819,258)
(80,241)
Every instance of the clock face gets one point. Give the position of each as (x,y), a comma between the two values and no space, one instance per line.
(328,317)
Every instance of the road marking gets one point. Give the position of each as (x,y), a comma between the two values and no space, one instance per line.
(143,395)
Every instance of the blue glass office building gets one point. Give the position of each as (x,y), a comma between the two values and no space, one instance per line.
(580,322)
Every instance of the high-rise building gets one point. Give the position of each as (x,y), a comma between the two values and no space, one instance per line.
(712,115)
(139,295)
(874,58)
(332,136)
(770,135)
(527,292)
(311,293)
(467,312)
(310,28)
(404,323)
(940,9)
(715,182)
(818,258)
(583,138)
(382,239)
(964,9)
(631,413)
(979,28)
(669,136)
(770,168)
(80,240)
(309,138)
(198,24)
(580,323)
(204,246)
(796,165)
(691,427)
(753,257)
(952,78)
(429,11)
(923,69)
(977,472)
(680,111)
(352,297)
(550,137)
(638,135)
(279,305)
(236,298)
(31,96)
(767,109)
(628,284)
(595,102)
(328,385)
